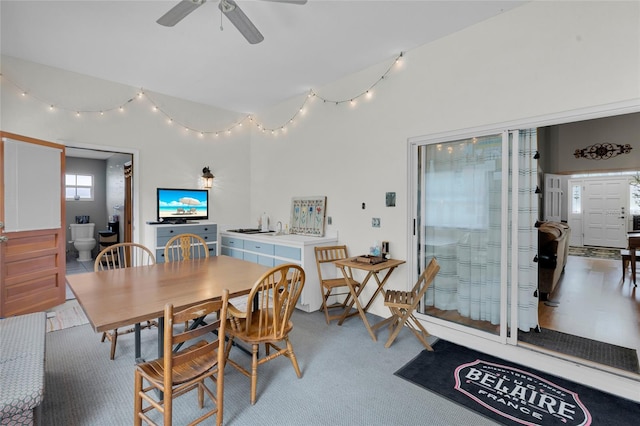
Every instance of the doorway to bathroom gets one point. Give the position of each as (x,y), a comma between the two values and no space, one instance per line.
(104,180)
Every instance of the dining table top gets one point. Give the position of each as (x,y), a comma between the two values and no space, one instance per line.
(121,297)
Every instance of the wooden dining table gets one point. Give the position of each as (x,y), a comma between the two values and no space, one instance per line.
(123,297)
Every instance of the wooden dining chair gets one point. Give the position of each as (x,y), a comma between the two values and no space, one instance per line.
(276,294)
(185,247)
(117,256)
(180,371)
(335,287)
(403,304)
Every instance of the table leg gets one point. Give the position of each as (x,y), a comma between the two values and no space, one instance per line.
(137,342)
(354,294)
(632,252)
(160,337)
(380,288)
(356,300)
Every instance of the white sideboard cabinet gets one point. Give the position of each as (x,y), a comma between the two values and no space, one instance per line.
(162,233)
(273,250)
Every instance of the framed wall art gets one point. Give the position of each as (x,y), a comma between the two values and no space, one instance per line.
(308,215)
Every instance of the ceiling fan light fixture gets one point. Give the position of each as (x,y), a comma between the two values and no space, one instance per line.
(226,7)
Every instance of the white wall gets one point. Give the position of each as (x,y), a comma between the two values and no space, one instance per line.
(168,156)
(541,58)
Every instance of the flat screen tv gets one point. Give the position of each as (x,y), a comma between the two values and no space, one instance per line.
(182,205)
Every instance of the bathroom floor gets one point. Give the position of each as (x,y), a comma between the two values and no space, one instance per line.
(75,267)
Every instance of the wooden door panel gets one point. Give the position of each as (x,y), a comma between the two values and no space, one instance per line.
(33,272)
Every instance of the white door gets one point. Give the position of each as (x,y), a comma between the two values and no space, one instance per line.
(606,204)
(552,197)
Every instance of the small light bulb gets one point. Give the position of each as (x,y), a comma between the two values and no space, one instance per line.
(24,93)
(121,109)
(50,107)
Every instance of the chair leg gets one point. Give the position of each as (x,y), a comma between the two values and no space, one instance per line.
(168,408)
(292,356)
(325,308)
(137,399)
(419,331)
(114,339)
(254,373)
(401,319)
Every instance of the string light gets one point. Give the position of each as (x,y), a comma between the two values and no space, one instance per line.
(311,95)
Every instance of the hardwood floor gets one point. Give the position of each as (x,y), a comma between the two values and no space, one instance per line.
(590,301)
(594,302)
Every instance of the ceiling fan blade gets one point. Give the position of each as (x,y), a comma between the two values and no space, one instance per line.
(178,12)
(237,17)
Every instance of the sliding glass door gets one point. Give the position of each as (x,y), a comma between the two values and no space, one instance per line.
(468,215)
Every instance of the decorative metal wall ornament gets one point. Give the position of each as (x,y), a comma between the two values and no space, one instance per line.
(602,151)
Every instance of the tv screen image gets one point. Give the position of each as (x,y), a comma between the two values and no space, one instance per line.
(179,205)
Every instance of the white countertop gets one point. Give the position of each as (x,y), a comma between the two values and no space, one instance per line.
(283,238)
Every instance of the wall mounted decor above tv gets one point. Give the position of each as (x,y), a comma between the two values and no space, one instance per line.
(175,205)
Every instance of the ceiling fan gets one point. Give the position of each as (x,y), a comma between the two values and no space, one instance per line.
(228,7)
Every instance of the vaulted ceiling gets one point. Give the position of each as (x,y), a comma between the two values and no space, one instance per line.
(205,59)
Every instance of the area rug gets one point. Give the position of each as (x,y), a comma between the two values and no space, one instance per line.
(513,394)
(598,252)
(592,350)
(69,314)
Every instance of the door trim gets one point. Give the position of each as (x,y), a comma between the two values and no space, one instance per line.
(135,154)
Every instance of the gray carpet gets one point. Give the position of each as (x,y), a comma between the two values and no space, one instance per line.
(592,350)
(347,380)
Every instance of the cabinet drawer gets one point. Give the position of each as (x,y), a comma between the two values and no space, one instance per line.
(208,232)
(232,242)
(292,253)
(227,251)
(259,247)
(160,253)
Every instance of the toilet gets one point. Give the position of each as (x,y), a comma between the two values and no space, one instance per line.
(82,239)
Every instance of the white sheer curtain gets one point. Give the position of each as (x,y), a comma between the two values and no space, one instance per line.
(460,222)
(528,206)
(461,225)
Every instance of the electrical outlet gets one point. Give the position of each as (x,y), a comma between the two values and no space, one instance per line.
(329,220)
(375,222)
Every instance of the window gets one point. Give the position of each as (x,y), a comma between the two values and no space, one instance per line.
(576,199)
(79,187)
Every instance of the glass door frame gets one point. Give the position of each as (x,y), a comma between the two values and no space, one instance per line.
(508,284)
